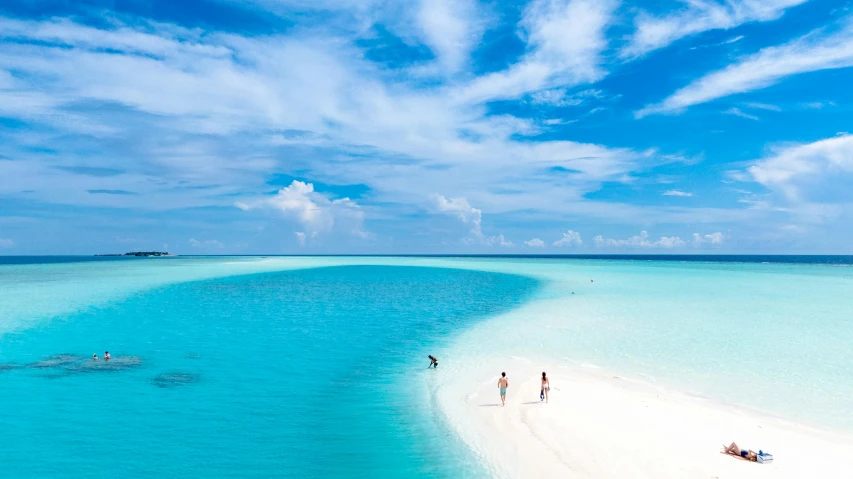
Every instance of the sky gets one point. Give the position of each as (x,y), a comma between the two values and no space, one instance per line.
(426,126)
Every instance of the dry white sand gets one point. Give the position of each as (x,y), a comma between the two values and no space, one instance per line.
(600,426)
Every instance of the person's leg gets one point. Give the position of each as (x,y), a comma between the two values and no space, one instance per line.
(546,394)
(733,449)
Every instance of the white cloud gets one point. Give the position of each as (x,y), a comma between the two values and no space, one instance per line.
(802,173)
(676,193)
(817,105)
(206,243)
(737,112)
(561,97)
(451,29)
(316,212)
(197,98)
(499,240)
(570,238)
(6,243)
(565,40)
(710,239)
(460,208)
(640,241)
(535,243)
(812,52)
(763,106)
(654,32)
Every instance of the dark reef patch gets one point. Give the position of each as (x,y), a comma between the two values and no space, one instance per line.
(175,379)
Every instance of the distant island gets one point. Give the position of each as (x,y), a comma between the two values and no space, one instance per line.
(139,253)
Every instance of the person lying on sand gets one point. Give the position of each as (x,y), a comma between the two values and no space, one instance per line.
(735,450)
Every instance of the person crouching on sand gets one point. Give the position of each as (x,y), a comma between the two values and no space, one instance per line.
(503,383)
(433,362)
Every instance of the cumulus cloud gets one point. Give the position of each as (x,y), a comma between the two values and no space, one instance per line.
(640,241)
(654,32)
(316,212)
(812,52)
(460,208)
(709,239)
(499,240)
(212,243)
(570,238)
(464,212)
(535,243)
(676,193)
(6,243)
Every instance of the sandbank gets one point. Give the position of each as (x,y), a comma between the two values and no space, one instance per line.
(599,426)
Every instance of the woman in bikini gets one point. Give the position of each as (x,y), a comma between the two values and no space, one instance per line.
(747,454)
(546,386)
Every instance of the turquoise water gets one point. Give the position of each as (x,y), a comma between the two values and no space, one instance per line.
(246,366)
(286,374)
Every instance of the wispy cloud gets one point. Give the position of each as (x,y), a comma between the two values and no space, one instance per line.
(676,193)
(183,102)
(809,172)
(654,32)
(565,39)
(763,106)
(6,243)
(816,51)
(211,243)
(111,192)
(737,112)
(451,28)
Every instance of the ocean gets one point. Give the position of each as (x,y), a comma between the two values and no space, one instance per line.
(301,366)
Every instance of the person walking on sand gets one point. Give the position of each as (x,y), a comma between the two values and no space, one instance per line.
(503,383)
(546,386)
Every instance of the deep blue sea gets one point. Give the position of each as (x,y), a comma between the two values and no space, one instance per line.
(287,374)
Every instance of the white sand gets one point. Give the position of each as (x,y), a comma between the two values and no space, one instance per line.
(598,426)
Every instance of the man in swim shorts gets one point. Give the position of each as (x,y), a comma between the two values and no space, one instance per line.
(503,383)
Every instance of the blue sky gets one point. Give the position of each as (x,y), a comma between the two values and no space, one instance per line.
(431,126)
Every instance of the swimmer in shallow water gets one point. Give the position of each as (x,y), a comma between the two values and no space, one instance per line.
(433,362)
(106,355)
(95,357)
